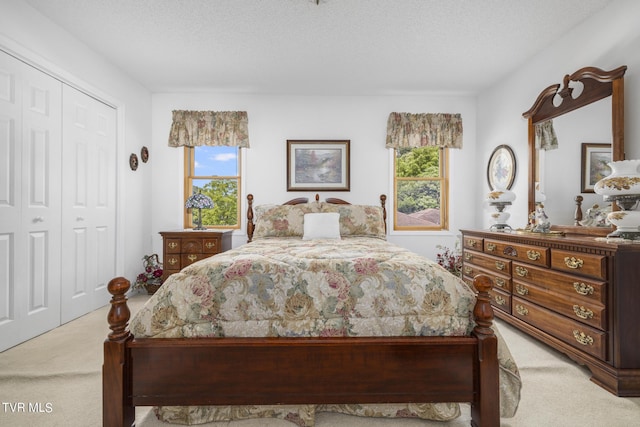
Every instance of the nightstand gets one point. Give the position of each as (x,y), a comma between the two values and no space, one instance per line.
(184,247)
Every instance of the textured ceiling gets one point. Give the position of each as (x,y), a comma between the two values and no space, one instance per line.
(334,47)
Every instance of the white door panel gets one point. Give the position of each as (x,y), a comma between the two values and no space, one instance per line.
(30,206)
(88,224)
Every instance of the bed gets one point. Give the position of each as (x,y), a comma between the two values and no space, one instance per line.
(316,312)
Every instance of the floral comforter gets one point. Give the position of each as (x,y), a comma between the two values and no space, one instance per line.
(292,287)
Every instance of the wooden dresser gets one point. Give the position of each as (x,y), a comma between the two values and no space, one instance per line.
(579,295)
(183,247)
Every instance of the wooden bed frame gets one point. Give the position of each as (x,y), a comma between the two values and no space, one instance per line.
(268,371)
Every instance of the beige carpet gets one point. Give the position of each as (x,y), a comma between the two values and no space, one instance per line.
(55,380)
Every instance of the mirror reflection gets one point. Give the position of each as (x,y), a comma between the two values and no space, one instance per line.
(560,171)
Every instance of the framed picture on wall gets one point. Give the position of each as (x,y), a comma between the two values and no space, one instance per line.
(316,165)
(595,160)
(501,170)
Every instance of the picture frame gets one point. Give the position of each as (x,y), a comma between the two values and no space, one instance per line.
(318,165)
(501,169)
(594,165)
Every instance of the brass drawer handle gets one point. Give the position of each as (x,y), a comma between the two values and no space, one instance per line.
(192,257)
(573,262)
(491,247)
(582,288)
(521,290)
(500,300)
(468,256)
(582,338)
(472,243)
(210,245)
(582,312)
(173,261)
(533,255)
(173,245)
(500,282)
(521,271)
(500,265)
(468,270)
(521,310)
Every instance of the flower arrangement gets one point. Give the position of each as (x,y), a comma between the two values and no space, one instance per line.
(151,278)
(450,259)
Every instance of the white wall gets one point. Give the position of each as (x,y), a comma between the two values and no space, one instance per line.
(273,119)
(31,36)
(608,40)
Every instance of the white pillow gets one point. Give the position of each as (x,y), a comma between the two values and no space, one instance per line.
(321,226)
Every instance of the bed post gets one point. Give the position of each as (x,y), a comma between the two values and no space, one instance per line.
(250,224)
(117,408)
(383,203)
(485,410)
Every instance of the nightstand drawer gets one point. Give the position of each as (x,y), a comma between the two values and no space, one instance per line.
(192,246)
(172,262)
(188,259)
(173,246)
(210,246)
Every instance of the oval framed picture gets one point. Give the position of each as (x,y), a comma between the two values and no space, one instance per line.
(501,170)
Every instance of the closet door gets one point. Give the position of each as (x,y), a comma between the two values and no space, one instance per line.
(30,201)
(88,203)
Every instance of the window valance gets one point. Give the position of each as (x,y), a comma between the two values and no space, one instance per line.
(194,128)
(419,130)
(546,138)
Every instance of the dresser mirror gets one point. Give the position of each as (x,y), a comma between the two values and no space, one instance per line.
(588,108)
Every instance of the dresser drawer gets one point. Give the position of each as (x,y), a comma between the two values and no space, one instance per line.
(491,263)
(536,255)
(579,263)
(472,242)
(501,300)
(499,281)
(576,334)
(569,285)
(578,309)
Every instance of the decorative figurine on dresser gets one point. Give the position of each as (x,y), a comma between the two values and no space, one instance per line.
(184,247)
(572,287)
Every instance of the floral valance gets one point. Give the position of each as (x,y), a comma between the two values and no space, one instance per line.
(419,130)
(194,128)
(546,138)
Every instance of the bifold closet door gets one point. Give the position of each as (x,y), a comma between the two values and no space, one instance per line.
(30,201)
(88,203)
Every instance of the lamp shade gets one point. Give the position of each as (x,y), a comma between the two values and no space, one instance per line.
(200,201)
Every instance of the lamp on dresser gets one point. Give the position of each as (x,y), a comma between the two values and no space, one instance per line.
(199,201)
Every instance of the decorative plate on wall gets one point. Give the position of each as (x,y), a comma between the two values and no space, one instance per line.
(501,170)
(133,161)
(144,154)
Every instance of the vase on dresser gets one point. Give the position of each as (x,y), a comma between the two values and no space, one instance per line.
(622,187)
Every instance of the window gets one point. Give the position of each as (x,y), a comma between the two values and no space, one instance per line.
(215,171)
(421,188)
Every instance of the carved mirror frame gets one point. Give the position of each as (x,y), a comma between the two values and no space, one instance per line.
(597,84)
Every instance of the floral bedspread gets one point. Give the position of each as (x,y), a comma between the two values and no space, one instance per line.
(291,287)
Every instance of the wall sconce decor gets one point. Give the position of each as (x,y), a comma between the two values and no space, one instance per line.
(199,201)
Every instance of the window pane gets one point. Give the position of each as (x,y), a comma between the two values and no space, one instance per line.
(224,193)
(216,161)
(418,203)
(421,162)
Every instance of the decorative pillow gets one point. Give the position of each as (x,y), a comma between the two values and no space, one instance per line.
(281,220)
(321,226)
(359,220)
